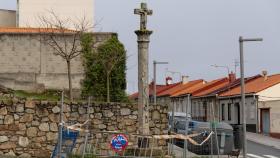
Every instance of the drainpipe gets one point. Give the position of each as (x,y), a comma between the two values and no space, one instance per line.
(256,100)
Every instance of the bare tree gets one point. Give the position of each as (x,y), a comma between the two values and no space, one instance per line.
(65,42)
(110,55)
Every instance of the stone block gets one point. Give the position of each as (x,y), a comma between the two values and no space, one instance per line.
(131,129)
(81,110)
(45,119)
(7,145)
(30,104)
(26,118)
(32,132)
(54,117)
(125,111)
(22,133)
(42,153)
(51,136)
(129,122)
(23,141)
(30,111)
(9,119)
(20,108)
(42,112)
(35,123)
(40,139)
(3,111)
(44,127)
(53,127)
(102,126)
(10,153)
(108,113)
(13,127)
(55,109)
(25,155)
(3,139)
(14,138)
(96,121)
(134,117)
(155,115)
(16,117)
(22,126)
(98,115)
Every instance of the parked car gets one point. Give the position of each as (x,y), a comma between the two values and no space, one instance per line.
(177,116)
(224,135)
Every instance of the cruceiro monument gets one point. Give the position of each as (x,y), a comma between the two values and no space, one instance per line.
(143,36)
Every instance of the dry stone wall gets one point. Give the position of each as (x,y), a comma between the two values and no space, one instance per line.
(30,128)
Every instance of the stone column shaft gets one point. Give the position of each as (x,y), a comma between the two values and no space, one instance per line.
(143,80)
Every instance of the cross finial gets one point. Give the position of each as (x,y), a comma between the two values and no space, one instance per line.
(143,12)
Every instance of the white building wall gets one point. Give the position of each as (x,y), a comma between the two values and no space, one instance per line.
(30,10)
(274,109)
(7,18)
(270,94)
(250,109)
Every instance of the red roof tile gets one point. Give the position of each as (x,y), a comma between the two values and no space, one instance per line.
(203,88)
(32,30)
(255,85)
(159,88)
(179,87)
(209,87)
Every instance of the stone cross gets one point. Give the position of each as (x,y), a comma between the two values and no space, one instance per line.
(143,39)
(143,12)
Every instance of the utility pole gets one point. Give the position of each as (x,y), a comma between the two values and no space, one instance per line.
(241,40)
(155,79)
(61,125)
(185,153)
(143,39)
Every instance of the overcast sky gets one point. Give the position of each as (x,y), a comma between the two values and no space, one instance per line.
(194,34)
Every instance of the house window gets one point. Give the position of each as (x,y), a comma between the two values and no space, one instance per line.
(229,111)
(223,112)
(204,115)
(194,109)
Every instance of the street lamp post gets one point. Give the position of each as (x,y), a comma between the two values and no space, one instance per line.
(241,40)
(155,80)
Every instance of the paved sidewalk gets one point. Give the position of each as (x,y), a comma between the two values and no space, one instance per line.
(262,139)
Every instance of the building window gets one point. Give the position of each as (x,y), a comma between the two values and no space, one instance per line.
(229,111)
(204,112)
(223,112)
(194,110)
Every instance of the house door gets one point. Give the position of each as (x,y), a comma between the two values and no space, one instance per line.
(237,113)
(265,122)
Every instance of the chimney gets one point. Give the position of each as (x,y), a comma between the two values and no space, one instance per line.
(168,80)
(231,77)
(185,79)
(264,75)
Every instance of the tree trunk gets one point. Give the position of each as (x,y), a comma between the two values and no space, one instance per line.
(69,80)
(108,88)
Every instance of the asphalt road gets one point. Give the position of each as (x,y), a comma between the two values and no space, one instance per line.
(256,150)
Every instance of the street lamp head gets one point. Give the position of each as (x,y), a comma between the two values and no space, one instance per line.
(158,62)
(250,39)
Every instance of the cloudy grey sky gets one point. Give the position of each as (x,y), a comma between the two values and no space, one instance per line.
(194,34)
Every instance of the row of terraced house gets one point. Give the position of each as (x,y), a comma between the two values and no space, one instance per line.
(220,100)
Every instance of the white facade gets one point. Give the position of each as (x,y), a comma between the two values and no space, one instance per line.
(270,94)
(30,10)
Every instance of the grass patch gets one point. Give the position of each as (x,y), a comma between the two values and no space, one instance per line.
(50,95)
